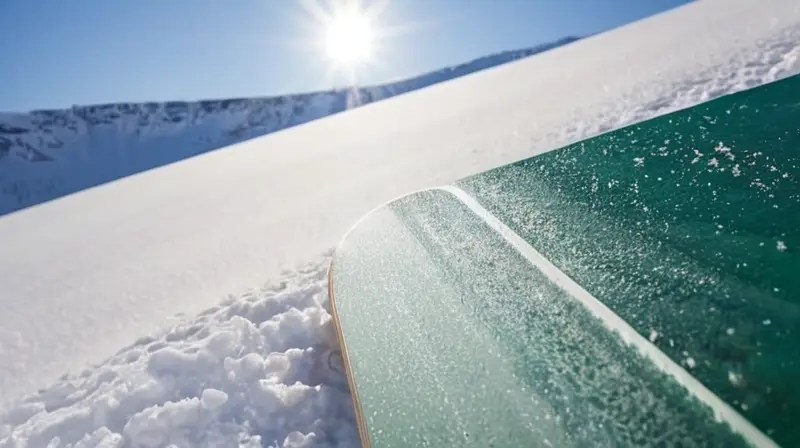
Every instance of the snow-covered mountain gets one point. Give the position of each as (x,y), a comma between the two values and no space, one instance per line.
(48,153)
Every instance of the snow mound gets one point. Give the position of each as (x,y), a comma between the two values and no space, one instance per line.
(257,370)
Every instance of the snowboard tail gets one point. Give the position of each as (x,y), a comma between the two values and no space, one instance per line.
(451,338)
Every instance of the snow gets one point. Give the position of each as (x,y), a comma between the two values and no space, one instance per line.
(153,254)
(255,368)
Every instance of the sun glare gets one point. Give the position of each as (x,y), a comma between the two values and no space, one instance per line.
(351,40)
(348,38)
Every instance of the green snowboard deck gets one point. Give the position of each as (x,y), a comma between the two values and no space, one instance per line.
(640,288)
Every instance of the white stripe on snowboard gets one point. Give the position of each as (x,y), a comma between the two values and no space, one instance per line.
(722,411)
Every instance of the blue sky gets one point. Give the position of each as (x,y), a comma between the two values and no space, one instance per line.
(59,53)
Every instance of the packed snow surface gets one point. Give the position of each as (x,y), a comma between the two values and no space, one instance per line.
(152,254)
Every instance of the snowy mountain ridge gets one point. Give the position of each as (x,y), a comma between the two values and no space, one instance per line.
(48,153)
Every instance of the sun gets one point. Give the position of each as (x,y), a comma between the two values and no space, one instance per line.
(348,37)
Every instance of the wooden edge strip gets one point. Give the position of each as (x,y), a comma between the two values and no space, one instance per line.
(363,434)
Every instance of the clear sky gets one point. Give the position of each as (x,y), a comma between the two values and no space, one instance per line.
(58,53)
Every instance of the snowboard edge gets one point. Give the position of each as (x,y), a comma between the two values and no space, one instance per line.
(363,433)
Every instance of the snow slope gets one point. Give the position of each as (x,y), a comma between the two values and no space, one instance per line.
(93,272)
(46,154)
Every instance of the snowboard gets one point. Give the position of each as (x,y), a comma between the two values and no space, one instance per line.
(638,288)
